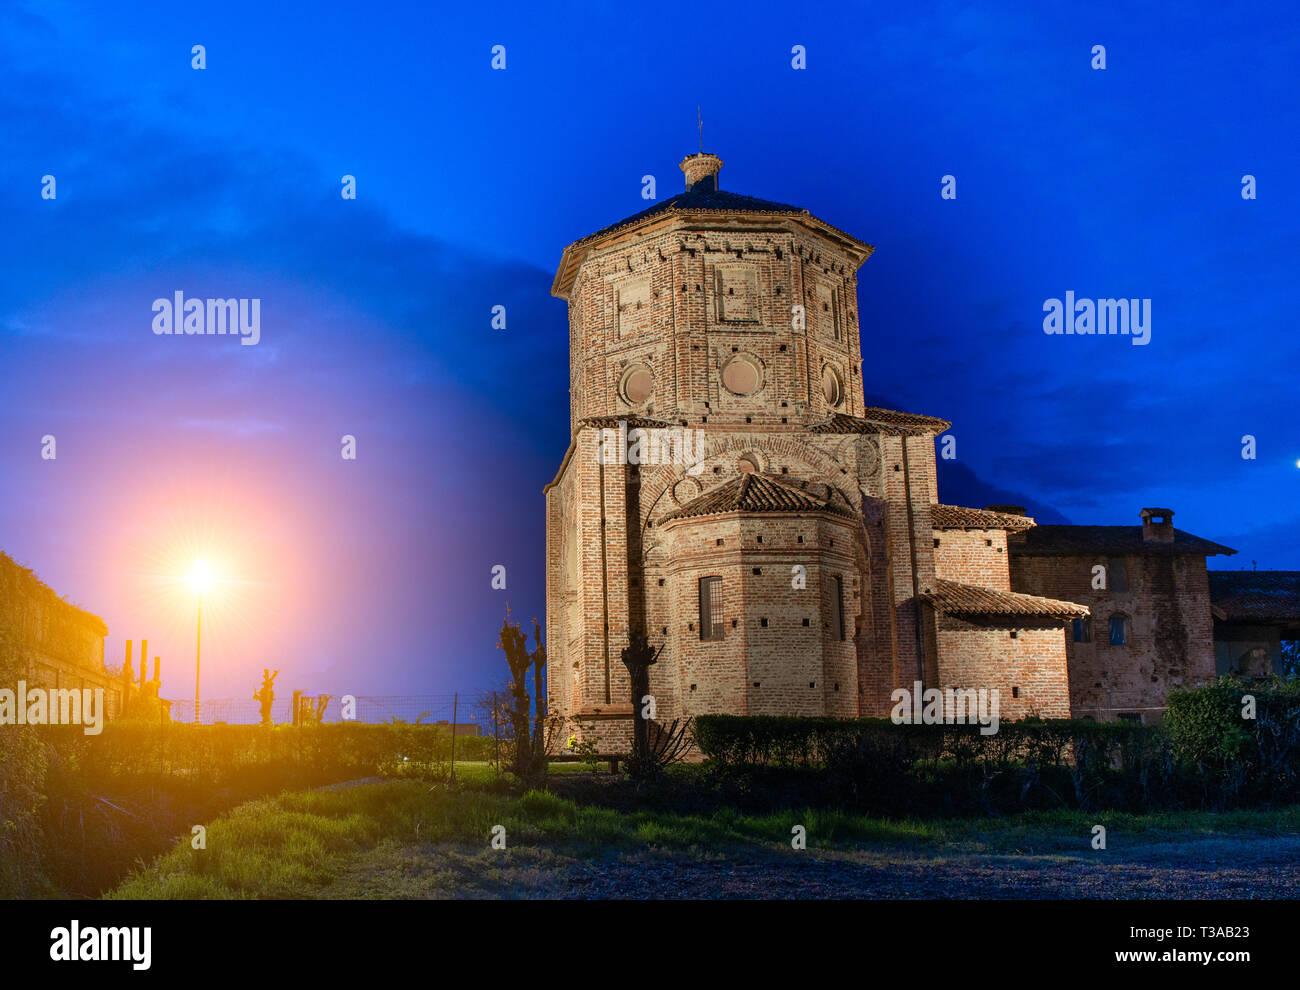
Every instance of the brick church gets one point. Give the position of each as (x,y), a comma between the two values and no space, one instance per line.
(798,560)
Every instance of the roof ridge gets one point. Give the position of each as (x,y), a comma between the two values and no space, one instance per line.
(946,516)
(756,491)
(893,419)
(1068,539)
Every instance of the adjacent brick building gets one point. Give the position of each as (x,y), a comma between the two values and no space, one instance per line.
(1150,626)
(1255,612)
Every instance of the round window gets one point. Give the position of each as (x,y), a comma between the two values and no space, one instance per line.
(638,384)
(832,388)
(742,376)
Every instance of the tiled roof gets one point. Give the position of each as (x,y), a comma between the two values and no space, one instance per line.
(961,517)
(952,598)
(710,205)
(1256,596)
(763,493)
(873,418)
(1077,541)
(700,198)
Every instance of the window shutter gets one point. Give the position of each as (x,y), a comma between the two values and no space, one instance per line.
(711,608)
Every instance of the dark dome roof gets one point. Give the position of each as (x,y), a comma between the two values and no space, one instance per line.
(701,197)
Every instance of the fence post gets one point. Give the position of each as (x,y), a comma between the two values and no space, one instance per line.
(455,699)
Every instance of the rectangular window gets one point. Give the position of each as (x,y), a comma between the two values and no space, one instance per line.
(838,608)
(1083,630)
(1117,573)
(711,608)
(1118,630)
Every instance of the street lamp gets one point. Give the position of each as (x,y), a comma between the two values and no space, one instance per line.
(200,581)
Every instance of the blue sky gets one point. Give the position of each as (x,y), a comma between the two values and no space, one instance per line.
(225,182)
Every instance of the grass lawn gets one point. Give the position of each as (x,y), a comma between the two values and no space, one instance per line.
(410,839)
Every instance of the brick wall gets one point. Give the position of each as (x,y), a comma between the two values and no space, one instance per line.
(1170,636)
(1029,671)
(668,301)
(973,556)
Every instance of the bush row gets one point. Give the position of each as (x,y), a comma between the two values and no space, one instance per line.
(1230,744)
(215,755)
(772,740)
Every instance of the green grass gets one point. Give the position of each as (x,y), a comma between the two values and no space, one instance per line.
(317,843)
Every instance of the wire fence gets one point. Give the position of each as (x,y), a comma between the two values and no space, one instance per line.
(425,709)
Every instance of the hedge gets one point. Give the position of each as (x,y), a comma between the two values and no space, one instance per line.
(775,740)
(1208,753)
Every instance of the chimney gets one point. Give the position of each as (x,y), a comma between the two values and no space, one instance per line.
(144,659)
(129,663)
(701,171)
(1157,525)
(1010,510)
(157,672)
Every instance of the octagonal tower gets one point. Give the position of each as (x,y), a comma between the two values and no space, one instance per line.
(783,553)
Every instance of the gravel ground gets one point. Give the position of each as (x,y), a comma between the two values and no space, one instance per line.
(1259,867)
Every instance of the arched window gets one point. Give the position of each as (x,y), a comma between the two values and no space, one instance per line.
(1083,630)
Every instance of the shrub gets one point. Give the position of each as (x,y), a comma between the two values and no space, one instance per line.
(1232,757)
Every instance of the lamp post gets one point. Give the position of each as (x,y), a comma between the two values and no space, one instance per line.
(200,581)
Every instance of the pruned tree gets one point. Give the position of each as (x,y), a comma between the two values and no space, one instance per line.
(638,657)
(530,739)
(265,695)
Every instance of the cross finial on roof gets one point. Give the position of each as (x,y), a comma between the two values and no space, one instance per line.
(701,123)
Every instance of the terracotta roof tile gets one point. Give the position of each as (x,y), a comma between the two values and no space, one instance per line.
(961,517)
(952,598)
(1256,596)
(873,419)
(1077,541)
(763,493)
